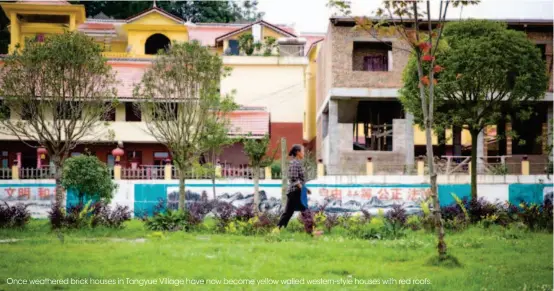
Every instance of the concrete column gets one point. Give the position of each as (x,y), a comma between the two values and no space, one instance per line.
(409,140)
(333,135)
(369,167)
(320,168)
(508,139)
(167,171)
(480,151)
(457,141)
(14,31)
(267,173)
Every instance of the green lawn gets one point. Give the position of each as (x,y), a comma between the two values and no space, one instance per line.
(491,259)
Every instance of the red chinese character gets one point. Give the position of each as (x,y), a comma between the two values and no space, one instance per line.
(414,194)
(323,192)
(366,193)
(24,193)
(10,192)
(43,193)
(383,194)
(396,194)
(336,193)
(427,193)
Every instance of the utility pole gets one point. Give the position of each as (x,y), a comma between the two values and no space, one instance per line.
(284,171)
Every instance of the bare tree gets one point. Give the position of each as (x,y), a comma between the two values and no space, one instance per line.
(411,21)
(58,92)
(180,99)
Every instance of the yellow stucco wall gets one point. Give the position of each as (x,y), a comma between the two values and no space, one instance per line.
(155,18)
(310,104)
(419,136)
(277,87)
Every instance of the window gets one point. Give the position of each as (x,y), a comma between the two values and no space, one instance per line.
(4,111)
(75,154)
(371,56)
(4,158)
(39,37)
(233,47)
(110,160)
(132,112)
(110,115)
(375,63)
(68,110)
(27,112)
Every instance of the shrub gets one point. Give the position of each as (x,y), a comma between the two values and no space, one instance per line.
(536,216)
(169,220)
(16,216)
(331,220)
(414,222)
(223,214)
(395,221)
(245,212)
(78,216)
(307,217)
(88,177)
(428,220)
(276,170)
(197,211)
(357,226)
(56,215)
(489,220)
(102,215)
(479,209)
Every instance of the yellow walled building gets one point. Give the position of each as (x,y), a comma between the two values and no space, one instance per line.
(269,87)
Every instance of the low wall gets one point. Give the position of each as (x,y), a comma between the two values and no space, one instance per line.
(342,193)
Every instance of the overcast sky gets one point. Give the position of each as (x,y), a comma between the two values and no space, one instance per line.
(313,15)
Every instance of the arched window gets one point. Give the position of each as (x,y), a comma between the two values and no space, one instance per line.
(155,43)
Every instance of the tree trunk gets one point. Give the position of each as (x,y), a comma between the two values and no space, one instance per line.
(213,173)
(58,177)
(441,246)
(256,189)
(474,141)
(182,189)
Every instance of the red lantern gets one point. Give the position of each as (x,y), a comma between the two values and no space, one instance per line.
(117,153)
(42,152)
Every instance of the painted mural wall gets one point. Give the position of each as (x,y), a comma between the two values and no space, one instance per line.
(341,194)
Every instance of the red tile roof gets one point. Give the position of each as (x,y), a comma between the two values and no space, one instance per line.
(311,40)
(96,26)
(206,34)
(44,2)
(245,122)
(128,74)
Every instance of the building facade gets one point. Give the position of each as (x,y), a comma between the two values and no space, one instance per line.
(358,114)
(268,85)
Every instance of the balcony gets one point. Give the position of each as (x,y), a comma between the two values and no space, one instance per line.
(121,55)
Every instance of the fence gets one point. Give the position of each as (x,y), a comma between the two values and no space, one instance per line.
(143,173)
(36,173)
(5,173)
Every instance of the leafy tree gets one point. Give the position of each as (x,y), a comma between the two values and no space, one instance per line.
(256,150)
(217,137)
(193,11)
(61,89)
(489,70)
(247,44)
(89,177)
(180,99)
(411,22)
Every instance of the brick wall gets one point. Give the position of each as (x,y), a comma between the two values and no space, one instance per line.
(342,45)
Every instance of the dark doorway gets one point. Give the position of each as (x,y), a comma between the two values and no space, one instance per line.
(155,43)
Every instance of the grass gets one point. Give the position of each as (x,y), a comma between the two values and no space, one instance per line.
(491,259)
